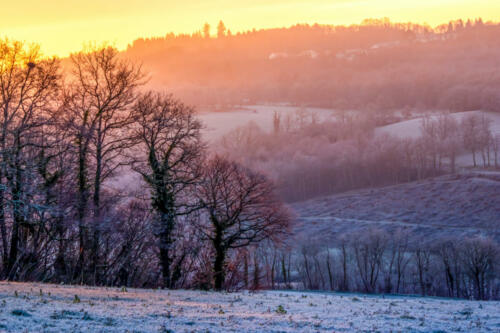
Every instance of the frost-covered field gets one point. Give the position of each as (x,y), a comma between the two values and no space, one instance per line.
(36,307)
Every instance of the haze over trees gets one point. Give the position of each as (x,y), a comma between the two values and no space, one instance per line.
(105,182)
(375,66)
(309,158)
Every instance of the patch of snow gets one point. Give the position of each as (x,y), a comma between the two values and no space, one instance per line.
(34,307)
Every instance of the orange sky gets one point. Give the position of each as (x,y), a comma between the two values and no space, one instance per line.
(63,26)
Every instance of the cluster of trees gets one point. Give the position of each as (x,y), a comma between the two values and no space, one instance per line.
(378,65)
(66,135)
(104,183)
(309,157)
(378,261)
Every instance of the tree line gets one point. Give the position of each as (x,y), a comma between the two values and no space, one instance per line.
(375,260)
(309,157)
(69,137)
(377,66)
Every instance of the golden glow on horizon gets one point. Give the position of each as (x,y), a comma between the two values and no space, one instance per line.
(63,26)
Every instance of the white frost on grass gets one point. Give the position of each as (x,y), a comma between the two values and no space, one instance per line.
(54,308)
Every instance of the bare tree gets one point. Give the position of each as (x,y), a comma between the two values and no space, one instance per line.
(344,259)
(369,249)
(422,259)
(241,208)
(448,139)
(449,252)
(101,88)
(471,135)
(168,159)
(28,86)
(479,257)
(495,145)
(485,138)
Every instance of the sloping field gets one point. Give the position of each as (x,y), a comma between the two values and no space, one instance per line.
(36,307)
(460,205)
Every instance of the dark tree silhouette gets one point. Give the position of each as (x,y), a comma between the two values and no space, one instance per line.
(242,209)
(28,85)
(101,89)
(169,151)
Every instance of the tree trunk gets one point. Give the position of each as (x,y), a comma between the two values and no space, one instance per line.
(273,267)
(81,209)
(165,246)
(256,272)
(60,265)
(18,221)
(94,252)
(344,268)
(283,271)
(220,257)
(3,230)
(245,270)
(330,272)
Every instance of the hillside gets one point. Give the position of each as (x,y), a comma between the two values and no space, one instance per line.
(377,65)
(53,308)
(465,204)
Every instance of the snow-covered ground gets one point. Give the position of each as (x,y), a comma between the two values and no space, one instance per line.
(37,307)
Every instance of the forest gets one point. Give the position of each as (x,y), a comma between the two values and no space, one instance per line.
(376,66)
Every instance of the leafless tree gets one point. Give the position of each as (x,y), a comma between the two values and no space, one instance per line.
(448,136)
(495,145)
(422,257)
(448,252)
(479,257)
(28,86)
(99,92)
(168,154)
(471,134)
(485,138)
(242,209)
(369,249)
(399,249)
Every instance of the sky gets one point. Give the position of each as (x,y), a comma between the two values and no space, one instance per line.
(64,26)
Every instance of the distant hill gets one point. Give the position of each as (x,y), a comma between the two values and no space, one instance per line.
(377,65)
